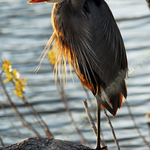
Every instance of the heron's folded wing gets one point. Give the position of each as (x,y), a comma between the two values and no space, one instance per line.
(107,43)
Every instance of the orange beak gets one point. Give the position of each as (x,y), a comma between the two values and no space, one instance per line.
(36,1)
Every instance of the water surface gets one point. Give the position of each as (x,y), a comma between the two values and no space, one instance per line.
(24,32)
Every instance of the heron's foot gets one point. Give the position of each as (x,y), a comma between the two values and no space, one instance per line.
(100,148)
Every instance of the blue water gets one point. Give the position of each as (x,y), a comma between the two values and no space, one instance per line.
(24,32)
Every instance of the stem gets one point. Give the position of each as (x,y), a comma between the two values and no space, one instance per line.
(1,141)
(112,129)
(64,100)
(15,108)
(135,125)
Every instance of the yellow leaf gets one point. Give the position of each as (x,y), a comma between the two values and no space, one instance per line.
(147,115)
(19,93)
(25,80)
(8,77)
(6,80)
(16,74)
(17,87)
(7,66)
(51,57)
(4,61)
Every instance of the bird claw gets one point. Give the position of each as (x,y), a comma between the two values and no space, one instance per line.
(101,148)
(104,148)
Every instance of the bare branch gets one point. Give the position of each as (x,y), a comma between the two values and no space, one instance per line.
(64,100)
(3,108)
(37,116)
(112,129)
(1,141)
(15,108)
(135,125)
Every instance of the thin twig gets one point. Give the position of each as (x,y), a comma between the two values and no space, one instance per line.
(37,116)
(64,100)
(92,122)
(90,117)
(89,99)
(135,125)
(1,73)
(112,129)
(2,106)
(1,141)
(15,108)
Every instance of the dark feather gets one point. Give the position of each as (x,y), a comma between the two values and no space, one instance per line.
(107,44)
(91,36)
(109,48)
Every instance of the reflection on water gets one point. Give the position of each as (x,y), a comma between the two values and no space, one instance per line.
(24,32)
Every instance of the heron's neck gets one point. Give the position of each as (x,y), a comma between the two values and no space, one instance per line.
(68,8)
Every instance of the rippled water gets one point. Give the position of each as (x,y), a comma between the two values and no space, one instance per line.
(24,32)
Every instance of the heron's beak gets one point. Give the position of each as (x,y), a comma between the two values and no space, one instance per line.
(36,1)
(47,1)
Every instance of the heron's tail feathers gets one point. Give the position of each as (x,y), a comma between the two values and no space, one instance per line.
(114,101)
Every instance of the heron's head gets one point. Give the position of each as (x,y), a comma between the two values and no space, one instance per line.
(47,1)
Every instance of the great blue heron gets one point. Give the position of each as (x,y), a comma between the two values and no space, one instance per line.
(85,32)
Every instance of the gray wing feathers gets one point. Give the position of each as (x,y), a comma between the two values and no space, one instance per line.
(107,44)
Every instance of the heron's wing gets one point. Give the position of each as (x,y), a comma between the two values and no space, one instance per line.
(107,44)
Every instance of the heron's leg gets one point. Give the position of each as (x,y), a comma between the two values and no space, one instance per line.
(98,142)
(98,147)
